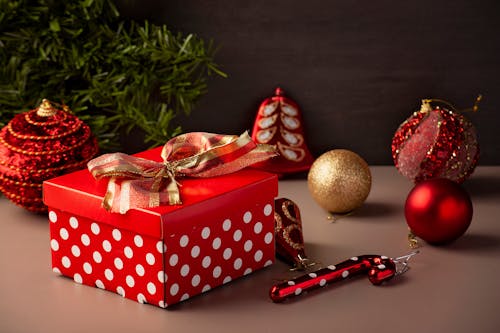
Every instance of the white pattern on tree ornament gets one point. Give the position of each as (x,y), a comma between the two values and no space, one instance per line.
(293,139)
(290,153)
(269,109)
(265,135)
(266,122)
(290,122)
(289,110)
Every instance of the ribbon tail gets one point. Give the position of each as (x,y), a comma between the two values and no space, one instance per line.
(174,197)
(107,202)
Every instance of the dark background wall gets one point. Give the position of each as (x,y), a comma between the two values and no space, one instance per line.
(356,68)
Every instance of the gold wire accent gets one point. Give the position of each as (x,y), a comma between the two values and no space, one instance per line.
(426,104)
(412,240)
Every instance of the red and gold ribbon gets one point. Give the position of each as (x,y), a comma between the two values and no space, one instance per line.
(137,182)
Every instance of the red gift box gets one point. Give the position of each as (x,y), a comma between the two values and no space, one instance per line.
(167,254)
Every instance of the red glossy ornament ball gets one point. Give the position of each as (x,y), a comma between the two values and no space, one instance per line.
(435,142)
(438,210)
(38,145)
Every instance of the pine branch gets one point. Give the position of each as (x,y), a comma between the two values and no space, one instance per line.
(115,74)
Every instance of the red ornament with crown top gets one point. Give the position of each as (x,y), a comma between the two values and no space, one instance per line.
(436,142)
(279,123)
(41,144)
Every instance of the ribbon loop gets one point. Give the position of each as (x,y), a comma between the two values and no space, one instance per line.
(137,182)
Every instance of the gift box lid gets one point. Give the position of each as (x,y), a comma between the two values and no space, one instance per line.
(80,194)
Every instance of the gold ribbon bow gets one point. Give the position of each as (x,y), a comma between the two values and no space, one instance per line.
(137,182)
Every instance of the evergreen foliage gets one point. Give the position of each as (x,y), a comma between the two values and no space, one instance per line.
(114,73)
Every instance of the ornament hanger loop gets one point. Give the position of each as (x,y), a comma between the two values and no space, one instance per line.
(426,104)
(402,262)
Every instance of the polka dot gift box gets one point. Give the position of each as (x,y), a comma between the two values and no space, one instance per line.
(223,230)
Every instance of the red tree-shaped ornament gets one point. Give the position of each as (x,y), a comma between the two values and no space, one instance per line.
(279,123)
(436,142)
(41,144)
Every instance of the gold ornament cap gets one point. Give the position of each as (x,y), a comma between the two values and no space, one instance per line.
(46,109)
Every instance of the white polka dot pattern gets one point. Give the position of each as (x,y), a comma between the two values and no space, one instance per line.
(190,261)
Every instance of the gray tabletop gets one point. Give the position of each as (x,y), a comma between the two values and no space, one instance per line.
(448,289)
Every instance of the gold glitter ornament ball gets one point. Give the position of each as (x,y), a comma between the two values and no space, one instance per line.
(339,181)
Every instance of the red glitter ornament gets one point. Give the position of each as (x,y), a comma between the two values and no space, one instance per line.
(438,210)
(288,231)
(279,123)
(436,142)
(41,144)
